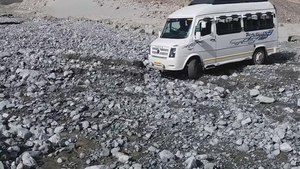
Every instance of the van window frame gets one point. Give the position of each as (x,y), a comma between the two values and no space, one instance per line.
(234,16)
(272,14)
(198,22)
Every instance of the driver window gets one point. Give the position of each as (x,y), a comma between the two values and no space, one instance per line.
(205,30)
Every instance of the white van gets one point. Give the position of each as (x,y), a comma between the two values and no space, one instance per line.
(203,36)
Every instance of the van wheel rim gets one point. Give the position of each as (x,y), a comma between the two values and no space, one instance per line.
(259,57)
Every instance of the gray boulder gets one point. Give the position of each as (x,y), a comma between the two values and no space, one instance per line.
(98,167)
(24,133)
(285,147)
(28,161)
(166,155)
(265,100)
(190,163)
(4,104)
(1,165)
(254,92)
(4,54)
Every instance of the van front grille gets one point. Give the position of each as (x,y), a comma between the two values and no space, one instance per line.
(160,51)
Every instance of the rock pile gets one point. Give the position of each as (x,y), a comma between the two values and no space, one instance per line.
(70,93)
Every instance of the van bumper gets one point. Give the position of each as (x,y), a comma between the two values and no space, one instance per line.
(164,63)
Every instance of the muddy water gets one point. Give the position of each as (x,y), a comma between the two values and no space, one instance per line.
(87,9)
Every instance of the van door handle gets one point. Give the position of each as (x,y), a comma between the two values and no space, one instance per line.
(213,40)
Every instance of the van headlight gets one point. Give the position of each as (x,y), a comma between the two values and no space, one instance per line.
(172,53)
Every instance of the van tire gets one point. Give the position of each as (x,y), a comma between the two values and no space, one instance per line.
(194,69)
(259,56)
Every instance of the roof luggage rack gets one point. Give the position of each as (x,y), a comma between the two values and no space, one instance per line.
(216,2)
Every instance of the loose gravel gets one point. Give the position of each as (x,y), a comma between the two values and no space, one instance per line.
(75,94)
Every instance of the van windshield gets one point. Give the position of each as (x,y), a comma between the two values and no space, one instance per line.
(177,28)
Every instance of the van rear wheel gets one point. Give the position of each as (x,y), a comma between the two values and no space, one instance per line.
(194,69)
(259,56)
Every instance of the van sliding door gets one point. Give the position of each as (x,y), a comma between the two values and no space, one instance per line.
(228,35)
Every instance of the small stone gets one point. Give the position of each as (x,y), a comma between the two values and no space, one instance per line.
(166,155)
(54,139)
(76,117)
(240,116)
(59,160)
(246,121)
(254,92)
(149,30)
(1,165)
(152,149)
(285,147)
(239,142)
(81,155)
(142,31)
(136,166)
(85,124)
(220,89)
(115,150)
(4,54)
(147,136)
(190,163)
(224,77)
(298,102)
(28,161)
(179,155)
(244,148)
(58,129)
(276,152)
(209,166)
(209,129)
(4,104)
(280,132)
(288,110)
(67,73)
(98,167)
(281,90)
(52,76)
(24,133)
(20,165)
(123,158)
(265,100)
(105,152)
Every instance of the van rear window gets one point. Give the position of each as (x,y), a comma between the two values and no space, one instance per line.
(253,22)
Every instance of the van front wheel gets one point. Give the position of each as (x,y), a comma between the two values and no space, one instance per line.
(194,69)
(259,57)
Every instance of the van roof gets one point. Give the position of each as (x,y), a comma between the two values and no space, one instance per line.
(194,2)
(203,9)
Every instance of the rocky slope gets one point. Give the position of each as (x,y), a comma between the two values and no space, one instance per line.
(76,94)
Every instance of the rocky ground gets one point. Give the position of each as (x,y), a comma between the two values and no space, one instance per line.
(142,13)
(77,94)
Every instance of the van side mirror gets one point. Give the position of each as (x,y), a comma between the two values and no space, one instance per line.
(159,34)
(198,36)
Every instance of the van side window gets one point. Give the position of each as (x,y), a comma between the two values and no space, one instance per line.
(228,25)
(206,30)
(253,22)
